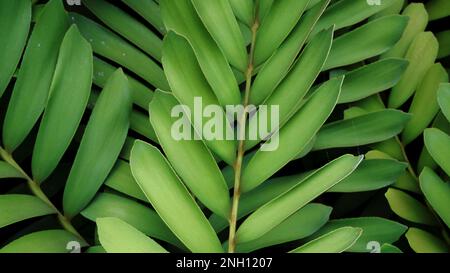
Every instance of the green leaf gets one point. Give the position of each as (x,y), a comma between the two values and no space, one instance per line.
(437,193)
(308,119)
(47,241)
(370,128)
(109,45)
(291,91)
(191,159)
(219,20)
(346,13)
(171,199)
(140,93)
(19,207)
(102,141)
(301,224)
(8,171)
(371,79)
(438,143)
(116,236)
(443,98)
(14,26)
(367,41)
(438,9)
(424,106)
(149,10)
(371,175)
(95,249)
(244,10)
(180,16)
(336,241)
(254,199)
(278,65)
(409,208)
(425,242)
(188,83)
(276,26)
(121,179)
(374,229)
(421,55)
(127,26)
(139,216)
(388,248)
(443,38)
(276,211)
(69,94)
(418,20)
(31,89)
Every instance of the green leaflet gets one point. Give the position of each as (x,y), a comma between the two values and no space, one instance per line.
(408,207)
(438,143)
(371,79)
(139,216)
(140,94)
(109,45)
(125,25)
(69,94)
(425,242)
(336,241)
(264,8)
(425,159)
(421,55)
(254,199)
(187,82)
(31,89)
(47,241)
(348,12)
(290,93)
(149,10)
(443,38)
(116,236)
(191,159)
(180,16)
(276,211)
(278,65)
(219,20)
(243,10)
(121,179)
(14,26)
(424,106)
(388,248)
(367,41)
(438,9)
(96,249)
(18,207)
(361,130)
(8,171)
(140,124)
(370,175)
(308,119)
(276,26)
(443,98)
(101,144)
(374,229)
(171,199)
(301,224)
(437,193)
(418,20)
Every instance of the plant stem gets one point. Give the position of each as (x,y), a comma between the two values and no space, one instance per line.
(37,191)
(241,146)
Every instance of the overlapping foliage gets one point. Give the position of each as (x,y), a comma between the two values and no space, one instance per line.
(87,151)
